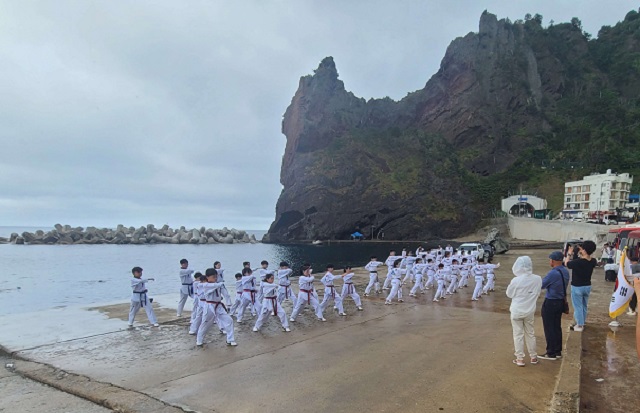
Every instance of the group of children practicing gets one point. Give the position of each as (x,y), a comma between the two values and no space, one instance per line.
(446,270)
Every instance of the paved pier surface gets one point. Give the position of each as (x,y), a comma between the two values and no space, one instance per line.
(417,356)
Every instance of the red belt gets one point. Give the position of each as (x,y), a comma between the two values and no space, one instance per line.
(308,294)
(217,303)
(286,291)
(274,302)
(333,291)
(253,295)
(349,288)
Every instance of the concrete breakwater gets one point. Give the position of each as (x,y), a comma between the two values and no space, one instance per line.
(67,235)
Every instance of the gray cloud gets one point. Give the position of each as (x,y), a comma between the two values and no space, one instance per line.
(170,112)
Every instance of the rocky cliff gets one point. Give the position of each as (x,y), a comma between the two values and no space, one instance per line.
(502,108)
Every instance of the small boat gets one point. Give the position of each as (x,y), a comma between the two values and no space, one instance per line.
(316,242)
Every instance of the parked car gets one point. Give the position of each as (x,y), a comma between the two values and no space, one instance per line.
(476,246)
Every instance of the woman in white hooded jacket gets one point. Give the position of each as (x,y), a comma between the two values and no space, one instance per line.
(524,291)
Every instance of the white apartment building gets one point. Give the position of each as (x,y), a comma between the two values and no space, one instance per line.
(597,193)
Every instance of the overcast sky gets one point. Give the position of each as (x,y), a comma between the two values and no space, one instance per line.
(159,112)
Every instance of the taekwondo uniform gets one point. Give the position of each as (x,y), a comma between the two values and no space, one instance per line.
(396,287)
(215,311)
(348,289)
(186,289)
(139,299)
(285,292)
(372,267)
(270,305)
(330,293)
(306,296)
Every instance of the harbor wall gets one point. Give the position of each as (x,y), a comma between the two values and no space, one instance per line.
(556,230)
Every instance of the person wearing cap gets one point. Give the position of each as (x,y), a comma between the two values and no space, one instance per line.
(524,290)
(555,282)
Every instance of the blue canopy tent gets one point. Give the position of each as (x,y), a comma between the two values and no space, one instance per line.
(357,235)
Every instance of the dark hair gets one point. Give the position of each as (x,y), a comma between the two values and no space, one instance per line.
(246,264)
(284,264)
(304,268)
(441,265)
(330,266)
(210,271)
(464,259)
(238,276)
(247,271)
(184,261)
(392,251)
(373,257)
(454,260)
(589,247)
(197,275)
(135,270)
(264,262)
(216,263)
(418,259)
(397,262)
(347,267)
(269,275)
(429,259)
(202,278)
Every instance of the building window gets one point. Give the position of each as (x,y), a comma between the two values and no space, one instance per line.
(568,190)
(568,199)
(586,197)
(585,206)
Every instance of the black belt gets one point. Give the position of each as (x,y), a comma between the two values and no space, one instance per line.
(141,293)
(190,289)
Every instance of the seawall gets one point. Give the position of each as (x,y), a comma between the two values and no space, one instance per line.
(556,231)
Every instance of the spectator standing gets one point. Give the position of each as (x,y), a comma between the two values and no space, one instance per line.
(581,271)
(524,290)
(555,283)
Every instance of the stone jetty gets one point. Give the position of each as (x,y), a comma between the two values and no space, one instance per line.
(67,235)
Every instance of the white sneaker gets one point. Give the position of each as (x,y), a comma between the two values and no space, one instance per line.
(412,295)
(631,312)
(232,343)
(178,315)
(343,314)
(286,329)
(255,330)
(293,320)
(400,300)
(387,303)
(578,328)
(130,325)
(322,319)
(360,309)
(435,300)
(156,325)
(191,333)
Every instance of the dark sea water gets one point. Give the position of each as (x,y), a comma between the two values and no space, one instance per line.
(50,276)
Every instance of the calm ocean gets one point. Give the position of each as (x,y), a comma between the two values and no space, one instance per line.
(49,276)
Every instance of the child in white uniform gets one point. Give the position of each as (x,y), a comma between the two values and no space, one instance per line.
(372,267)
(198,297)
(464,273)
(215,310)
(186,289)
(238,300)
(348,289)
(248,292)
(431,272)
(225,293)
(389,263)
(139,297)
(409,262)
(419,268)
(491,277)
(440,275)
(285,292)
(330,292)
(478,274)
(306,295)
(270,304)
(196,301)
(455,269)
(396,281)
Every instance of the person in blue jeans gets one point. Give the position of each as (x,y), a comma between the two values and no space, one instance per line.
(581,271)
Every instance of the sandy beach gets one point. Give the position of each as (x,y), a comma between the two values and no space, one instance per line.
(417,356)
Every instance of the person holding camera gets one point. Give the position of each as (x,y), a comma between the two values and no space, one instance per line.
(555,282)
(581,271)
